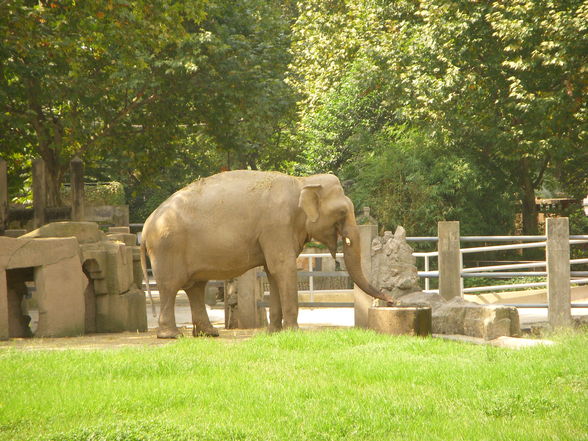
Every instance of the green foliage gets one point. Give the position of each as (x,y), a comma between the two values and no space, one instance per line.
(197,158)
(242,97)
(428,110)
(495,87)
(367,386)
(399,175)
(83,77)
(102,193)
(133,86)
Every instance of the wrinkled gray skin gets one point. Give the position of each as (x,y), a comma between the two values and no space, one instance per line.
(219,227)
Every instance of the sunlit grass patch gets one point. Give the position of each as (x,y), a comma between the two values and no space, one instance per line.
(330,385)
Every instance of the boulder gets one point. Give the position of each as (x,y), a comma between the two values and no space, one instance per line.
(394,272)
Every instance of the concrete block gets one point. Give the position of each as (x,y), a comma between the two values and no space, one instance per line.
(60,296)
(85,232)
(94,260)
(450,260)
(119,268)
(112,214)
(400,320)
(249,315)
(15,232)
(482,321)
(119,230)
(24,252)
(558,271)
(364,301)
(137,270)
(124,312)
(126,238)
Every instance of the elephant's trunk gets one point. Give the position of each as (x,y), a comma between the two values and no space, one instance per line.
(352,254)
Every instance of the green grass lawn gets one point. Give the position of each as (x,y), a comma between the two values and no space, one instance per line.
(330,385)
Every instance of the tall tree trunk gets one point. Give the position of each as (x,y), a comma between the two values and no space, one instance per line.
(49,132)
(54,172)
(529,207)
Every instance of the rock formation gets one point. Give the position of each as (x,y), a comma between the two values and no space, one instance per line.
(394,271)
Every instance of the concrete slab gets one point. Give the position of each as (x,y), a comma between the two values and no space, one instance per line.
(502,342)
(340,317)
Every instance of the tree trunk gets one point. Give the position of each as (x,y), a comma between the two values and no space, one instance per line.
(529,207)
(54,172)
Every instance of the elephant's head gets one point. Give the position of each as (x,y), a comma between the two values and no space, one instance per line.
(330,215)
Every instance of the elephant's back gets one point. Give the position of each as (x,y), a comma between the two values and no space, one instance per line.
(235,191)
(228,202)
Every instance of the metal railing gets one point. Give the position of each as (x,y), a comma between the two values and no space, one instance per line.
(311,273)
(498,271)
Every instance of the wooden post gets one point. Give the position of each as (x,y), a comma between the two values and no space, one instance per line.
(3,197)
(77,189)
(248,294)
(449,260)
(362,302)
(39,192)
(558,271)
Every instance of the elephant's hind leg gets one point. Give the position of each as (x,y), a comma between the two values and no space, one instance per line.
(167,316)
(200,320)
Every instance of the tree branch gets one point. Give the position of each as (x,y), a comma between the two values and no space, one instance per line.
(539,178)
(108,127)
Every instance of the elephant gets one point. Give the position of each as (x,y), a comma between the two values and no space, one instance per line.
(221,226)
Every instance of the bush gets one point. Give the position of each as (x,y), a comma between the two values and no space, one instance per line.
(103,193)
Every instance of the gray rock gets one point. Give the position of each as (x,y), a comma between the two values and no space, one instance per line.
(394,272)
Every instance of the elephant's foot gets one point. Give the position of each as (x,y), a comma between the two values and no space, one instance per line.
(169,333)
(272,327)
(291,326)
(201,331)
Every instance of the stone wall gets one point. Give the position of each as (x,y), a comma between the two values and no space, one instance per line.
(107,297)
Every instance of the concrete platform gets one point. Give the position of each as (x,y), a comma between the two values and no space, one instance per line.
(340,317)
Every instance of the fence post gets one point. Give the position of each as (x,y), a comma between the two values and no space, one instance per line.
(39,192)
(558,271)
(362,301)
(76,167)
(450,262)
(248,294)
(3,197)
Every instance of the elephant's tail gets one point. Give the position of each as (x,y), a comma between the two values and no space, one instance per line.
(146,276)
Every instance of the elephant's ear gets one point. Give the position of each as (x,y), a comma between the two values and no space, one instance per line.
(309,201)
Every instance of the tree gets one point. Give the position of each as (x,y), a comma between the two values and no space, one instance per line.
(504,83)
(498,85)
(82,77)
(239,91)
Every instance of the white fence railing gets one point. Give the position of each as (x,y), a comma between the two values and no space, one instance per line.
(498,271)
(492,271)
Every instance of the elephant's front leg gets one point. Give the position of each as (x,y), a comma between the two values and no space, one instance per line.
(200,320)
(275,306)
(283,270)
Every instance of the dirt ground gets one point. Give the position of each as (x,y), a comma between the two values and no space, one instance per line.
(309,320)
(114,340)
